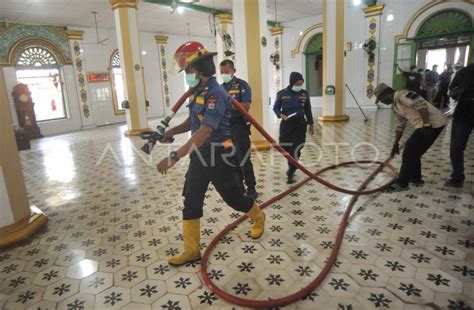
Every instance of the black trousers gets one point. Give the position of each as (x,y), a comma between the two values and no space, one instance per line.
(241,138)
(460,132)
(219,166)
(418,143)
(292,138)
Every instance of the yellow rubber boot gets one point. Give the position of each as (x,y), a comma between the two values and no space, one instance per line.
(258,217)
(191,253)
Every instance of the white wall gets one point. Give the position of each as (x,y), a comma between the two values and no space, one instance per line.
(96,58)
(355,32)
(356,60)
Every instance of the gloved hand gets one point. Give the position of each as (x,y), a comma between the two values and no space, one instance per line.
(395,150)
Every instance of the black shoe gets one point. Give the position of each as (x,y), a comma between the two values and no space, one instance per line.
(452,183)
(252,193)
(290,175)
(417,183)
(396,187)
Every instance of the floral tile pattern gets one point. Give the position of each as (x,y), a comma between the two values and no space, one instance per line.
(114,222)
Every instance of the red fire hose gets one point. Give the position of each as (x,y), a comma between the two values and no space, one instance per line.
(361,190)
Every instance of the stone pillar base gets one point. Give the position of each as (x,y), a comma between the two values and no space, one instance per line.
(261,145)
(135,132)
(22,230)
(331,118)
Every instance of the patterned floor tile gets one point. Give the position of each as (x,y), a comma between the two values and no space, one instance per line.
(148,291)
(96,283)
(439,281)
(114,224)
(112,298)
(79,301)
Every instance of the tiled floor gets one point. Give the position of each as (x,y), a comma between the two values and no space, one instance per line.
(114,221)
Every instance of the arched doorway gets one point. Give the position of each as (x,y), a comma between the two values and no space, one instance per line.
(444,38)
(116,83)
(38,67)
(437,34)
(314,65)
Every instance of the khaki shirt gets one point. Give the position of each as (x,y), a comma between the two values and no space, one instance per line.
(406,110)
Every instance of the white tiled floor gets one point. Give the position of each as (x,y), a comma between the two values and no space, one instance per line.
(114,222)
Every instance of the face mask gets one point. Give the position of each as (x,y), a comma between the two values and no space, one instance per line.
(192,80)
(297,88)
(226,78)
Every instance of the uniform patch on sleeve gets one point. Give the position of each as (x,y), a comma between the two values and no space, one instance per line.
(200,100)
(211,102)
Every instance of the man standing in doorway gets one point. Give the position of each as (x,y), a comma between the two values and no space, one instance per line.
(431,81)
(240,91)
(413,79)
(428,122)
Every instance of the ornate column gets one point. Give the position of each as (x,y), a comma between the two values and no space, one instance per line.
(333,61)
(75,41)
(225,24)
(250,28)
(372,25)
(277,36)
(18,220)
(161,40)
(125,12)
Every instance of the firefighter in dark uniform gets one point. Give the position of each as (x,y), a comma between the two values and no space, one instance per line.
(292,105)
(212,157)
(241,91)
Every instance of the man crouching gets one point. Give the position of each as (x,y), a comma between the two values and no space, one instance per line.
(428,122)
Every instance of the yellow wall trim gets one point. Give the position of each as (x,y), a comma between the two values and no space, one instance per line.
(10,160)
(123,4)
(135,132)
(254,64)
(22,230)
(75,34)
(225,18)
(374,10)
(298,47)
(260,145)
(340,47)
(337,118)
(418,13)
(161,38)
(276,30)
(325,50)
(16,49)
(126,62)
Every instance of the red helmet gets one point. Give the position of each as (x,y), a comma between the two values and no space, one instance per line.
(189,52)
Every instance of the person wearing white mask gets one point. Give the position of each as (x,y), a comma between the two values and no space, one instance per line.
(240,90)
(211,151)
(292,105)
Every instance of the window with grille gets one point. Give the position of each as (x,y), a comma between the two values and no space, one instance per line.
(38,68)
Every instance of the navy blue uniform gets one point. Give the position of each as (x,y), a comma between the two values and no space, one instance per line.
(293,131)
(241,91)
(214,161)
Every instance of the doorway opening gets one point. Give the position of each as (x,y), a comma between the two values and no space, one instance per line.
(314,65)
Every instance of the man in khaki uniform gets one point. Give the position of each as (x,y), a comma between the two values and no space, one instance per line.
(428,121)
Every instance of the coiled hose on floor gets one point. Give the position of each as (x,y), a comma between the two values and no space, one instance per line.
(361,190)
